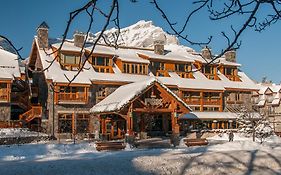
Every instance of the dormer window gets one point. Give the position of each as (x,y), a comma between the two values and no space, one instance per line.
(158,69)
(134,68)
(231,73)
(184,70)
(70,61)
(210,72)
(101,63)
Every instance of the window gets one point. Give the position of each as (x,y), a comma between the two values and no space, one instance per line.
(132,68)
(101,64)
(3,85)
(229,71)
(237,96)
(82,123)
(70,59)
(210,108)
(100,61)
(182,67)
(208,70)
(157,65)
(65,123)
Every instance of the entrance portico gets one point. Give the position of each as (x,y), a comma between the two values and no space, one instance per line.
(146,108)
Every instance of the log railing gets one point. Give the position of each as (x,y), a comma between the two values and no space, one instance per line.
(34,112)
(206,101)
(72,97)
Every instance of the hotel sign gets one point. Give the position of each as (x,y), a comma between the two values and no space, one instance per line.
(153,101)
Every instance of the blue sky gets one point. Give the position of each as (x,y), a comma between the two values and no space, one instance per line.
(259,53)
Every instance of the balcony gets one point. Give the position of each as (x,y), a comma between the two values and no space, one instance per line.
(4,95)
(72,97)
(211,101)
(193,101)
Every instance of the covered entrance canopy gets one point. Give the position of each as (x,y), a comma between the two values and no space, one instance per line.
(209,120)
(145,106)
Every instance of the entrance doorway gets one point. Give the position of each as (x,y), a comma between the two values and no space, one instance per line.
(115,127)
(153,124)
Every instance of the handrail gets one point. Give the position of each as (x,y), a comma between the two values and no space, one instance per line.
(69,96)
(29,115)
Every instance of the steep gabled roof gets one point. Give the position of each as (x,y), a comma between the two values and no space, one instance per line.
(125,94)
(43,25)
(9,65)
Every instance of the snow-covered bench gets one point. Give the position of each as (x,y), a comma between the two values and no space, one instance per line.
(110,146)
(195,142)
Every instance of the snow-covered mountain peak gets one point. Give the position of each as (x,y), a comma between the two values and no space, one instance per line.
(140,34)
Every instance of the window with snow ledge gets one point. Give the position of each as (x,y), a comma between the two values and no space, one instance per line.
(210,71)
(102,63)
(70,61)
(231,73)
(135,68)
(184,70)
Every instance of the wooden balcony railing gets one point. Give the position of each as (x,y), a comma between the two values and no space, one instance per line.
(72,97)
(103,69)
(193,101)
(4,95)
(211,101)
(206,101)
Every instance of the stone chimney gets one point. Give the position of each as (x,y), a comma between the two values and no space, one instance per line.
(79,39)
(42,35)
(230,56)
(159,47)
(206,53)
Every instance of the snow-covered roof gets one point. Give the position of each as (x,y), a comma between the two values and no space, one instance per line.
(270,93)
(130,55)
(261,103)
(168,56)
(245,83)
(58,75)
(9,65)
(209,115)
(124,94)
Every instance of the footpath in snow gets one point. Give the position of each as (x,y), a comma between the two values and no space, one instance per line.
(239,157)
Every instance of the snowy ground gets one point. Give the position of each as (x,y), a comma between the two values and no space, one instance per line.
(239,157)
(19,132)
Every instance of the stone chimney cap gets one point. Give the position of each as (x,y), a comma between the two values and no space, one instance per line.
(43,25)
(79,33)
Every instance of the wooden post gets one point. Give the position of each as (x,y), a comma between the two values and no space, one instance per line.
(73,124)
(201,101)
(221,102)
(130,121)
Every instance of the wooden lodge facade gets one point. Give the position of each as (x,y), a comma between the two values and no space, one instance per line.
(135,91)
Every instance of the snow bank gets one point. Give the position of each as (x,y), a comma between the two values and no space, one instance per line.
(19,132)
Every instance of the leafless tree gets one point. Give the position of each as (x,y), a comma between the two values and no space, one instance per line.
(218,10)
